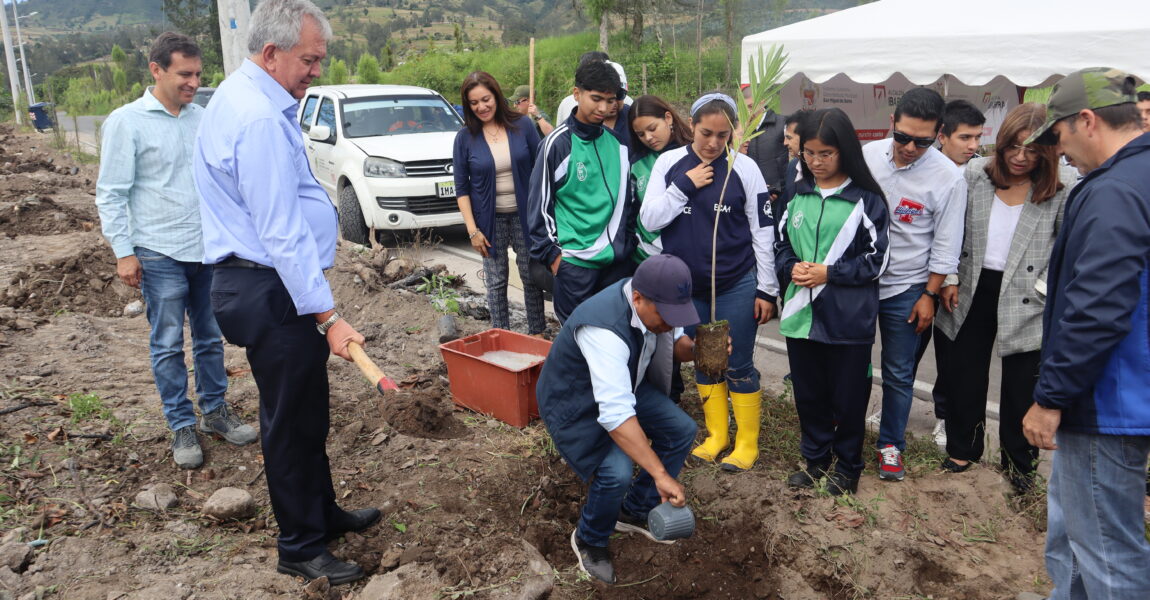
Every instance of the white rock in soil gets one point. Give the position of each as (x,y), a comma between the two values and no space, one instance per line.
(8,581)
(14,535)
(157,497)
(16,556)
(400,267)
(230,503)
(412,580)
(134,308)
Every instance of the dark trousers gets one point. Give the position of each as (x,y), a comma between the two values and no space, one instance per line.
(574,284)
(288,358)
(970,355)
(941,365)
(832,388)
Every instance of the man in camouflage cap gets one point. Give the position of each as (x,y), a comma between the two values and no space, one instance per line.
(1091,395)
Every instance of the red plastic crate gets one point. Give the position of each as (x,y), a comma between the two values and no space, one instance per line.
(490,388)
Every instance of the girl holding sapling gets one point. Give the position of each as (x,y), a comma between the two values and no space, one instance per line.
(688,190)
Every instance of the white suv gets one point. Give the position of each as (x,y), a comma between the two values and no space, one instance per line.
(383,153)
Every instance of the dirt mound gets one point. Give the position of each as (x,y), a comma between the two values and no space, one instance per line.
(85,282)
(498,567)
(426,413)
(40,216)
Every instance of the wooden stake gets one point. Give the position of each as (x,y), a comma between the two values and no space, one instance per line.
(531,71)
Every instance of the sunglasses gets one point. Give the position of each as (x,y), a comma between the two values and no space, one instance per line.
(903,139)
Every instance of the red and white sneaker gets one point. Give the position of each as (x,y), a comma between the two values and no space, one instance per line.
(890,463)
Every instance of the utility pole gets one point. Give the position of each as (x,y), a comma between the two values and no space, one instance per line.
(23,60)
(13,75)
(234,18)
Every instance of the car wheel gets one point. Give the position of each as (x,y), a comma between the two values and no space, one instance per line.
(352,225)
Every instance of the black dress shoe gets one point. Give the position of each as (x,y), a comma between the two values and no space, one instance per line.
(356,520)
(324,565)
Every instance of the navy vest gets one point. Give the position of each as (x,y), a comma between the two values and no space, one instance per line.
(566,398)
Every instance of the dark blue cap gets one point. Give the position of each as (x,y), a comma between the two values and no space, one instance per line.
(666,280)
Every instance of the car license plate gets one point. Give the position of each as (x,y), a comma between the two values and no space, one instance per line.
(445,189)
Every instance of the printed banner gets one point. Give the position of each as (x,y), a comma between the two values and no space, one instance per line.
(870,106)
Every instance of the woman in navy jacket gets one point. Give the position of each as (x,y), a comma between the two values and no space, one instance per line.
(493,158)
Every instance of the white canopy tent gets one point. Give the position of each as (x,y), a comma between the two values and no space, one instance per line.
(1030,42)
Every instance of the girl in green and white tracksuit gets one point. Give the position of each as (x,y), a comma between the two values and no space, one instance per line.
(832,248)
(657,128)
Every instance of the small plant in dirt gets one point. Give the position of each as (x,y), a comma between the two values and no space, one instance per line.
(868,509)
(711,338)
(85,406)
(441,288)
(985,531)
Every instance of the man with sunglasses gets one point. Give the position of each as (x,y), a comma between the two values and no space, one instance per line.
(1090,402)
(926,193)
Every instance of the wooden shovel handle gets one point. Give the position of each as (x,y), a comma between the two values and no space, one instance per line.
(369,369)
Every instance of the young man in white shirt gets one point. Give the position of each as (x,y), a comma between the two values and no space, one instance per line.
(926,193)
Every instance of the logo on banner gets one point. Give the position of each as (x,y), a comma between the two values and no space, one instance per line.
(880,93)
(907,210)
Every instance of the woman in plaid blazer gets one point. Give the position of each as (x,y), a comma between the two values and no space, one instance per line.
(1013,212)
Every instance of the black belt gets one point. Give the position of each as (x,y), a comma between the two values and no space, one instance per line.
(234,261)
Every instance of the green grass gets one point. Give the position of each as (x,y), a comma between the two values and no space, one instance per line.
(555,62)
(86,406)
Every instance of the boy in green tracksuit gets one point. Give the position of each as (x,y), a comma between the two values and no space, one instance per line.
(580,214)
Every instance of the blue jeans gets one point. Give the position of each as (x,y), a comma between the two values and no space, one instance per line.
(615,486)
(1095,539)
(736,306)
(899,346)
(172,289)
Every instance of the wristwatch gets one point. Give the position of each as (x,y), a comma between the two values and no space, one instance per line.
(931,295)
(323,327)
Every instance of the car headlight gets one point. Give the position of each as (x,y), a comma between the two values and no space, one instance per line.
(382,167)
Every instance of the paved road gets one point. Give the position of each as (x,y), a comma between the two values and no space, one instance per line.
(86,125)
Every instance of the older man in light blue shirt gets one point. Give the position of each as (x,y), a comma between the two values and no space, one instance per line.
(271,231)
(150,214)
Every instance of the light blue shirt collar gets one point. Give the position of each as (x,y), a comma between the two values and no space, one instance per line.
(153,104)
(280,98)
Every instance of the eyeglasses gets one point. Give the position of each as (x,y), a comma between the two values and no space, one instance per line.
(825,155)
(903,139)
(520,101)
(1025,150)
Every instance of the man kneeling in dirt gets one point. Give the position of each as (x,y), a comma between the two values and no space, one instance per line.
(604,391)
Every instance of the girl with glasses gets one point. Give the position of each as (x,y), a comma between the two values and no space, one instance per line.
(831,251)
(1014,209)
(682,201)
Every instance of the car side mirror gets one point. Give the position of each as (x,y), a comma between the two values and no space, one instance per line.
(320,133)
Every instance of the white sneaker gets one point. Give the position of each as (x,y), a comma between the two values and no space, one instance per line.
(875,419)
(939,433)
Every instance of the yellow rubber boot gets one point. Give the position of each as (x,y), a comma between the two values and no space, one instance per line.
(715,416)
(748,409)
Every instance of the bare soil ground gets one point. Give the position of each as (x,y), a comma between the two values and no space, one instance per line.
(472,508)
